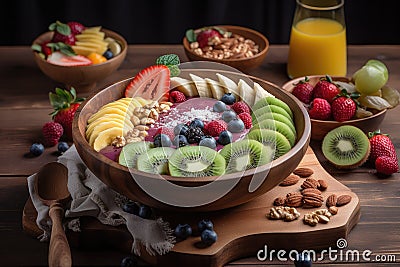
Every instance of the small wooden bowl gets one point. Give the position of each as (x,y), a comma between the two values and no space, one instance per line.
(319,128)
(82,78)
(120,178)
(243,64)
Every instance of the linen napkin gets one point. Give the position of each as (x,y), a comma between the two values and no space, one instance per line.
(91,197)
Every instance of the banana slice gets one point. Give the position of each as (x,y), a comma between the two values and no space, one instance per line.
(229,85)
(260,92)
(115,48)
(120,110)
(106,137)
(186,86)
(102,127)
(201,86)
(108,118)
(216,89)
(247,93)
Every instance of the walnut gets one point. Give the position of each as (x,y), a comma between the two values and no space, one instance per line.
(283,213)
(119,141)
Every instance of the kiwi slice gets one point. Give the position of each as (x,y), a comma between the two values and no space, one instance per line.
(273,140)
(346,147)
(279,127)
(196,161)
(269,100)
(277,117)
(130,153)
(245,154)
(268,109)
(155,160)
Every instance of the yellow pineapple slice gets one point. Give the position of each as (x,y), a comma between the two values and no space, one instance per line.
(92,29)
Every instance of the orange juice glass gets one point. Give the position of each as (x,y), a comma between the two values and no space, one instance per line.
(318,39)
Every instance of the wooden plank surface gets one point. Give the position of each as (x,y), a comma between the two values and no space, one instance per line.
(24,108)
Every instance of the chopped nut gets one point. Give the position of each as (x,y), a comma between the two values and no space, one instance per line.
(194,45)
(279,201)
(333,210)
(153,114)
(143,133)
(284,213)
(135,120)
(119,141)
(310,219)
(141,127)
(147,121)
(133,139)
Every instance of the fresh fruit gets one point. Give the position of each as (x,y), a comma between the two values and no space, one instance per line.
(215,127)
(196,161)
(201,86)
(177,97)
(108,54)
(183,231)
(279,127)
(219,106)
(272,101)
(194,135)
(240,107)
(36,149)
(320,109)
(205,35)
(62,33)
(244,154)
(246,118)
(208,141)
(197,123)
(91,40)
(106,137)
(52,131)
(184,85)
(247,94)
(228,98)
(273,140)
(144,211)
(225,137)
(155,160)
(326,89)
(61,59)
(96,58)
(162,140)
(381,145)
(277,117)
(371,77)
(130,153)
(62,147)
(346,147)
(260,93)
(229,86)
(65,104)
(181,129)
(45,49)
(386,165)
(131,207)
(343,107)
(150,83)
(236,126)
(208,237)
(216,88)
(268,109)
(180,140)
(303,90)
(76,27)
(228,115)
(205,224)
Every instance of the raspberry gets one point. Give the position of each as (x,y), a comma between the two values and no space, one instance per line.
(177,97)
(52,131)
(320,109)
(240,107)
(246,118)
(214,128)
(386,165)
(165,130)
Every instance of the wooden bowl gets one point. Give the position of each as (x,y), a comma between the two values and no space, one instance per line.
(125,181)
(82,78)
(319,128)
(243,64)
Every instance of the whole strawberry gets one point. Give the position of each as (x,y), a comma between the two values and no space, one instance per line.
(76,27)
(326,89)
(386,165)
(381,145)
(65,104)
(320,109)
(62,33)
(344,106)
(52,131)
(205,35)
(303,90)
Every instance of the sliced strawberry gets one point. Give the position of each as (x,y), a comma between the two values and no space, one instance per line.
(150,83)
(61,59)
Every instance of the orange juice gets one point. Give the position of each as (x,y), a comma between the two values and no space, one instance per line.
(317,46)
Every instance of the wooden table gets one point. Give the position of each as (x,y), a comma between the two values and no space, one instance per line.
(25,108)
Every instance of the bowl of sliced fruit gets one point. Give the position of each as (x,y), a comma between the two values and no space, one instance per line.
(204,138)
(361,100)
(79,56)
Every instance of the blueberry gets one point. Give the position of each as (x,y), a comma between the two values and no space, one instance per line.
(144,212)
(36,149)
(228,98)
(108,54)
(236,126)
(205,224)
(303,260)
(162,140)
(225,137)
(129,261)
(219,106)
(183,231)
(62,147)
(197,123)
(180,140)
(181,128)
(131,207)
(208,141)
(208,237)
(228,115)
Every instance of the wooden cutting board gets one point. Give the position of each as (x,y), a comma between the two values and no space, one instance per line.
(242,231)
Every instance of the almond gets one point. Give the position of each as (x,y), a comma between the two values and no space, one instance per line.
(292,179)
(331,200)
(303,172)
(310,183)
(294,199)
(343,200)
(323,185)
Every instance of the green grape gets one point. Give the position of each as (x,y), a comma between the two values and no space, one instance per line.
(379,65)
(369,79)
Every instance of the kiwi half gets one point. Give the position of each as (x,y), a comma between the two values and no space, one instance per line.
(130,153)
(155,160)
(273,140)
(346,147)
(277,117)
(196,161)
(268,109)
(279,127)
(269,100)
(245,154)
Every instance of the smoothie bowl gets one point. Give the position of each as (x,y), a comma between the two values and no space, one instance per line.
(208,139)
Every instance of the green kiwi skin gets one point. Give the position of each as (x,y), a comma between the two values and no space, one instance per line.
(180,155)
(145,164)
(279,127)
(269,100)
(263,156)
(272,139)
(130,153)
(277,117)
(268,109)
(346,132)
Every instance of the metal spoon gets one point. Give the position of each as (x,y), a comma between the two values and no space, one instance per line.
(51,186)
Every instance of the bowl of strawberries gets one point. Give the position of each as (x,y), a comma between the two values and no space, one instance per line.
(361,100)
(78,56)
